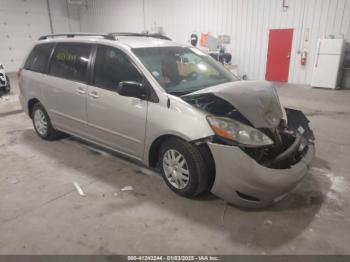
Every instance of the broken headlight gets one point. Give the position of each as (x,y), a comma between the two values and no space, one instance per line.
(240,133)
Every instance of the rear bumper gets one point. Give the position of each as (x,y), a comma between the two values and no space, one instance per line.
(242,181)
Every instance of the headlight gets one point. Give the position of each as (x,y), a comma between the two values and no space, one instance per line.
(235,131)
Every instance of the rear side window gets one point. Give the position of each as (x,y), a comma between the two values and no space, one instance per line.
(38,58)
(70,61)
(113,66)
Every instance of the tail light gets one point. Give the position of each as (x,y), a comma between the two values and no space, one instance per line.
(19,72)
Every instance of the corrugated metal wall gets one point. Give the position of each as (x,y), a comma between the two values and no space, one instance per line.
(21,23)
(247,21)
(65,16)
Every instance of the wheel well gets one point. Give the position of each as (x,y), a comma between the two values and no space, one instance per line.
(203,149)
(31,103)
(154,150)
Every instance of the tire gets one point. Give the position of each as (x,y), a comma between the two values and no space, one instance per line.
(8,87)
(188,184)
(42,124)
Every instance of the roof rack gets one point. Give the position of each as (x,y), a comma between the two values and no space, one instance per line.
(140,34)
(110,36)
(71,35)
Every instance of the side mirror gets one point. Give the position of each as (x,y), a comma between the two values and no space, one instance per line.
(132,89)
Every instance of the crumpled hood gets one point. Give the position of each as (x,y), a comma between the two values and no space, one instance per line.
(256,100)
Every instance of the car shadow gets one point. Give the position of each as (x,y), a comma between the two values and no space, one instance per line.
(262,228)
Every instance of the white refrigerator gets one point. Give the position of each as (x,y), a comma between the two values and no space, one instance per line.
(328,63)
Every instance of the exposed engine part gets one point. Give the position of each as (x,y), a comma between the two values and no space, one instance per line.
(290,142)
(215,105)
(290,137)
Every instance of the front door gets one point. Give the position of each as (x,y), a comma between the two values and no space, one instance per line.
(278,55)
(116,121)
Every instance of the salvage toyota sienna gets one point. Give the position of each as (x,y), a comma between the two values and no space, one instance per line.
(171,107)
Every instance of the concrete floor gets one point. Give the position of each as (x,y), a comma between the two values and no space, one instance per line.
(42,213)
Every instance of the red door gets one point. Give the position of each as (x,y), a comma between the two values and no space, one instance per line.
(278,55)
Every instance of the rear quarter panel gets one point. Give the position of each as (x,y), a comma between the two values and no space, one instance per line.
(31,86)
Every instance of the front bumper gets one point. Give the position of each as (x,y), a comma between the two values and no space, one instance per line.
(242,181)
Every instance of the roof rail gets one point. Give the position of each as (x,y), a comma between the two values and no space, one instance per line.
(71,35)
(140,34)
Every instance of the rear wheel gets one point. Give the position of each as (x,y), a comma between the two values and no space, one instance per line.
(183,168)
(42,123)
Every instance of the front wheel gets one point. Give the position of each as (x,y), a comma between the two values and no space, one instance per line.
(42,123)
(183,168)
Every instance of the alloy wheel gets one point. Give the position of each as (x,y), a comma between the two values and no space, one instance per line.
(40,122)
(176,169)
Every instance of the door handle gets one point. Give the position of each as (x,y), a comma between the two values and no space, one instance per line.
(81,91)
(94,95)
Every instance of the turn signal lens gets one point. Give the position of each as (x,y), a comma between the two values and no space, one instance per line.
(221,132)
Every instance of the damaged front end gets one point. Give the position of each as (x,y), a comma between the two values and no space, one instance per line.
(291,138)
(260,156)
(290,135)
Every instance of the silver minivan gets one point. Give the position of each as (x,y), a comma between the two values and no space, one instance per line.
(171,107)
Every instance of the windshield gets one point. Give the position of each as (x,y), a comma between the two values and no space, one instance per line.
(182,70)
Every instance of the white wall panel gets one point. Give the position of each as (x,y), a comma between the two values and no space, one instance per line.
(21,23)
(247,21)
(111,15)
(65,17)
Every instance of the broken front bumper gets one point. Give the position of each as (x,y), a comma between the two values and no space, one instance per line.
(242,181)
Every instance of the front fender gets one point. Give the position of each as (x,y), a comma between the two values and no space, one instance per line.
(179,119)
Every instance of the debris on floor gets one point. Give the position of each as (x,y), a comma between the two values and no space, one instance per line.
(339,186)
(9,98)
(267,222)
(80,191)
(223,214)
(127,188)
(14,181)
